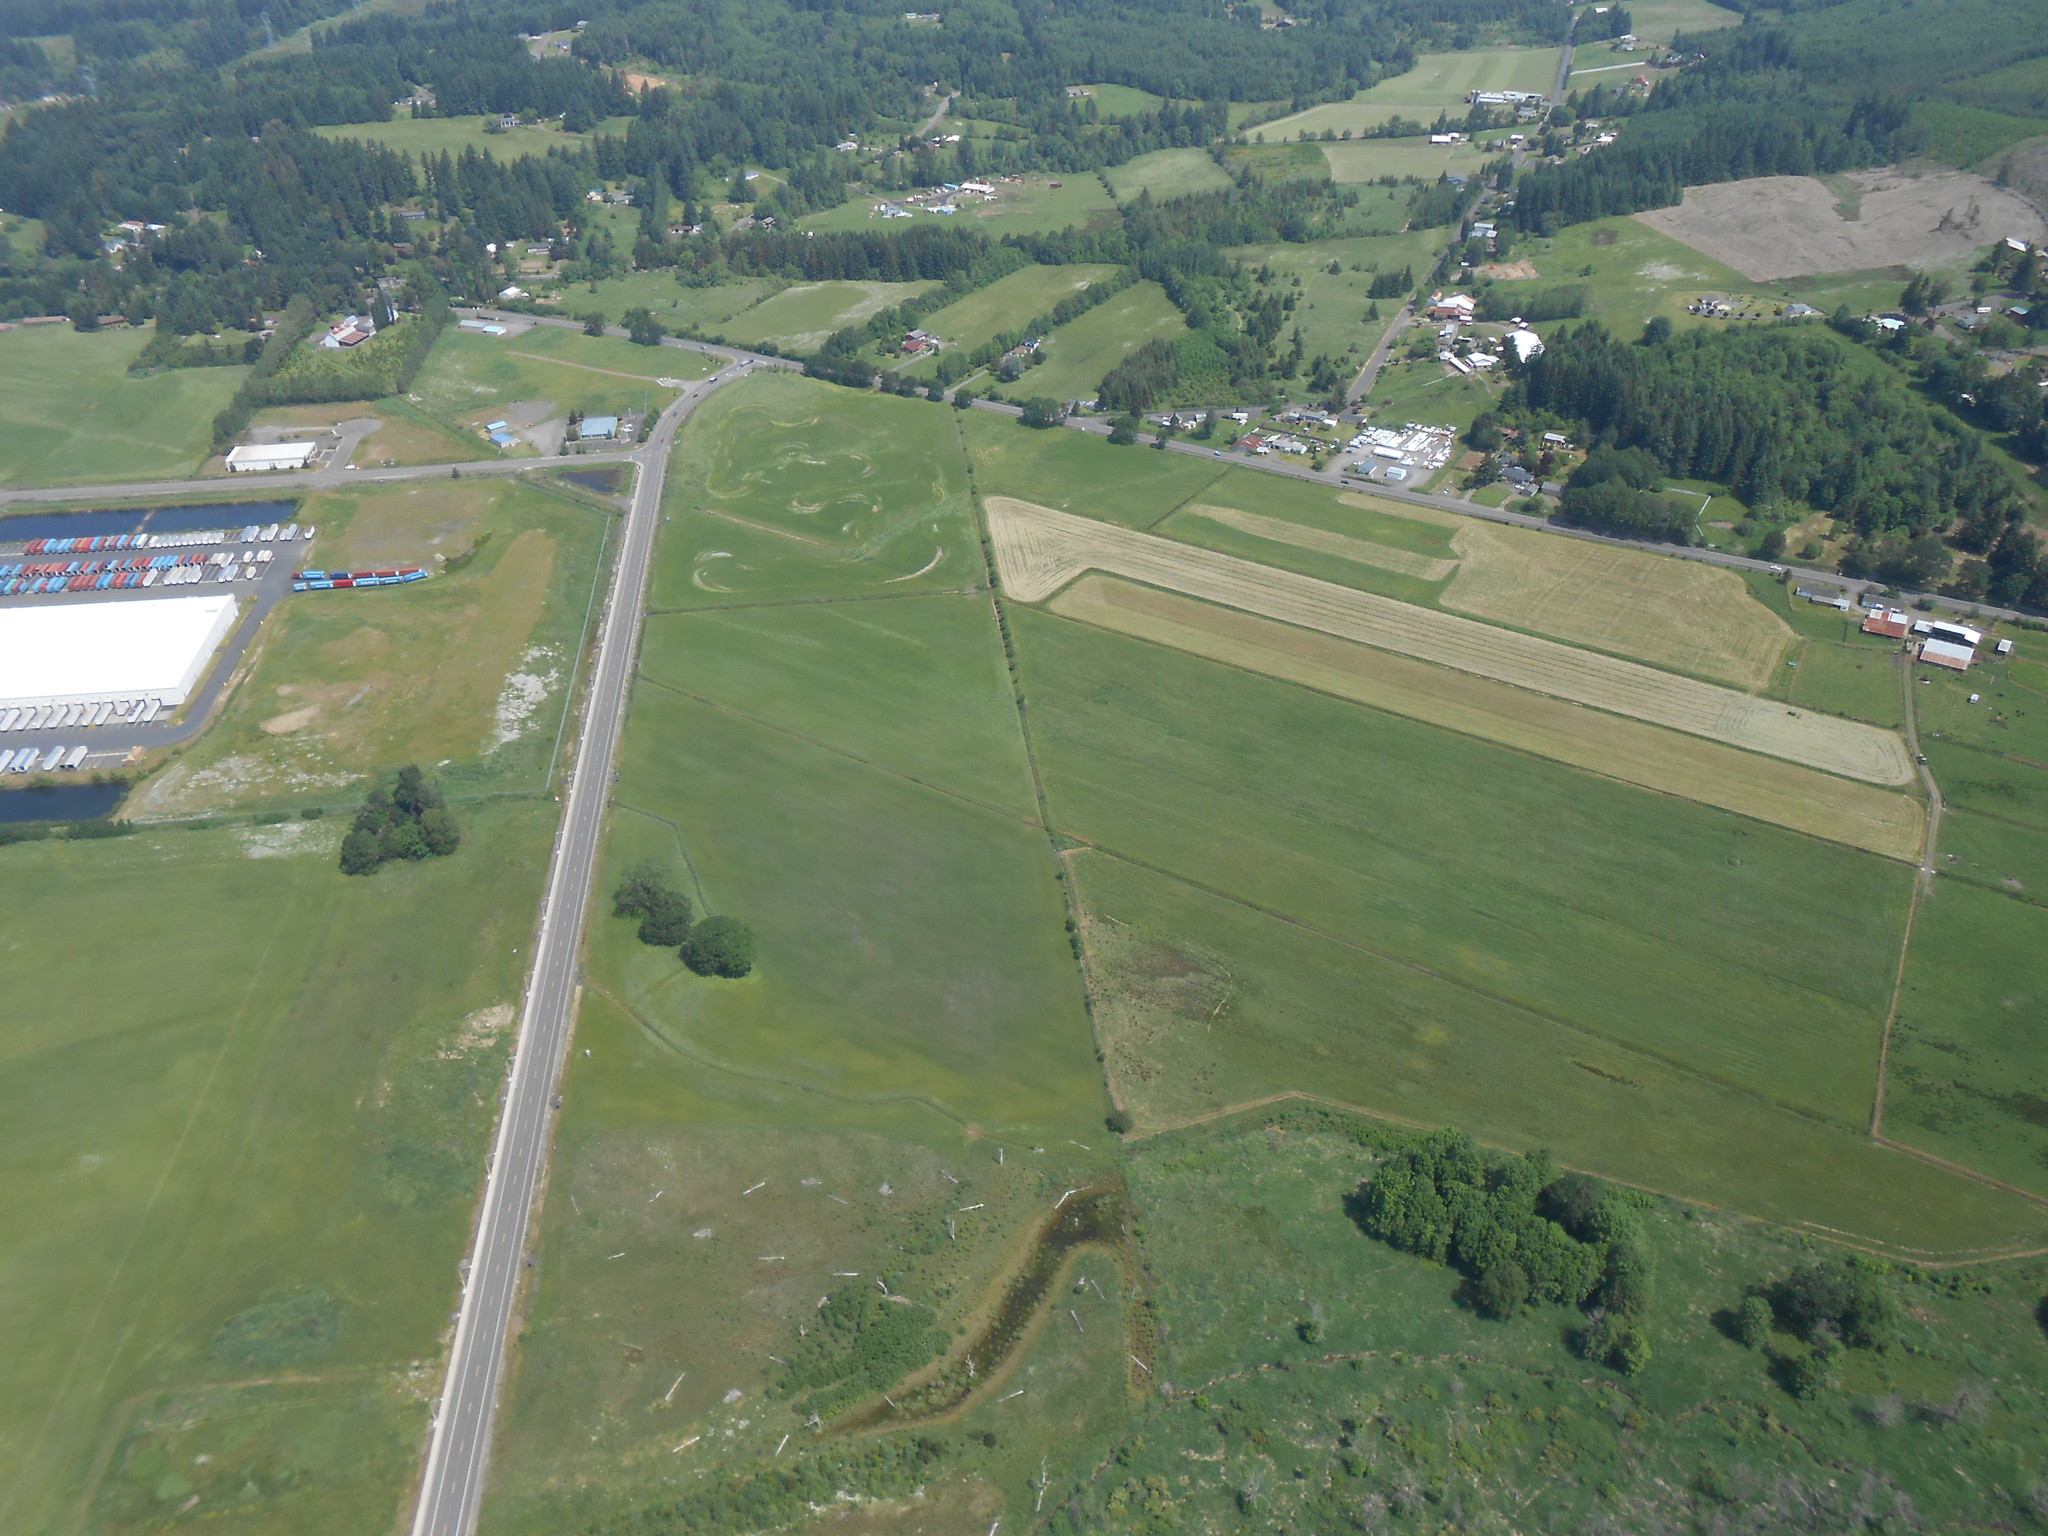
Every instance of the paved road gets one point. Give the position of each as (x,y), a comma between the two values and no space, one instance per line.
(460,1449)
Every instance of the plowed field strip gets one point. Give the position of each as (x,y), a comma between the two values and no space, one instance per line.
(1750,785)
(1343,546)
(1039,550)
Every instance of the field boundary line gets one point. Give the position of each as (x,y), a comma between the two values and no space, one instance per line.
(1961,1169)
(1215,479)
(1834,1235)
(1923,886)
(812,602)
(692,1053)
(826,746)
(780,533)
(1684,1069)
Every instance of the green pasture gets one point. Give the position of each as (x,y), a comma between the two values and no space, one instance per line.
(471,379)
(1675,931)
(783,487)
(1968,1076)
(1079,472)
(2009,717)
(1010,302)
(1037,205)
(800,318)
(1634,272)
(1167,174)
(471,670)
(915,687)
(1999,854)
(1859,681)
(240,1164)
(452,135)
(1082,351)
(1439,83)
(1279,162)
(1124,100)
(71,414)
(1999,787)
(1369,159)
(1334,306)
(1427,392)
(1409,1393)
(677,307)
(1657,21)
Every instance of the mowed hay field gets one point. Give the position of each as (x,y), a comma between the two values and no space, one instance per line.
(471,668)
(471,379)
(1166,174)
(71,414)
(1008,303)
(246,1125)
(1432,928)
(787,487)
(1039,550)
(1080,472)
(1859,815)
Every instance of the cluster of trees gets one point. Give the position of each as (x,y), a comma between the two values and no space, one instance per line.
(406,820)
(1834,1306)
(1521,1232)
(1776,413)
(1617,491)
(1504,301)
(712,946)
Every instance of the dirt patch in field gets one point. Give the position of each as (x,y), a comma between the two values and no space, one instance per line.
(1790,226)
(1744,782)
(1509,271)
(1038,551)
(1359,551)
(291,720)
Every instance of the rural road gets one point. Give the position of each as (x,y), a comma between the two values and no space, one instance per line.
(458,1454)
(1371,371)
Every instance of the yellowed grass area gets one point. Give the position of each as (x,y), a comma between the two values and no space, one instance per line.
(407,527)
(1743,782)
(1672,613)
(1038,551)
(1343,546)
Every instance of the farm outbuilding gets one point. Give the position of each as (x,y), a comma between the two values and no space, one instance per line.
(598,429)
(105,652)
(1941,653)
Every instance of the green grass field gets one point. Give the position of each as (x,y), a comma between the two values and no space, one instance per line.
(862,494)
(1427,392)
(1369,159)
(1334,305)
(1657,21)
(1124,100)
(470,380)
(470,669)
(1038,205)
(1077,473)
(1439,82)
(1167,174)
(1969,1074)
(1079,353)
(906,1083)
(240,1162)
(70,413)
(1409,1401)
(452,135)
(1860,681)
(800,318)
(1010,302)
(676,306)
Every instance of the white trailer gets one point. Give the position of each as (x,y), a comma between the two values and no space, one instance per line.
(75,761)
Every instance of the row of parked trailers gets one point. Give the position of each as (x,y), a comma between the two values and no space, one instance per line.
(27,578)
(321,581)
(254,533)
(34,759)
(64,717)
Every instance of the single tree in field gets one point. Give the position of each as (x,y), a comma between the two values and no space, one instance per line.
(1502,1289)
(642,329)
(720,946)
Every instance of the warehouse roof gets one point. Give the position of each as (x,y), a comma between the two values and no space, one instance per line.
(155,647)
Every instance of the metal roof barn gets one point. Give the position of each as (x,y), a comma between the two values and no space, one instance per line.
(75,653)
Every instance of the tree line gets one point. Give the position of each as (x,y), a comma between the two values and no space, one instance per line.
(710,946)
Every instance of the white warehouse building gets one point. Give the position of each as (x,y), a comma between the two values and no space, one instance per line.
(103,653)
(263,456)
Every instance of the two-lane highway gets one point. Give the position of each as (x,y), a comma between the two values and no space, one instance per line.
(459,1451)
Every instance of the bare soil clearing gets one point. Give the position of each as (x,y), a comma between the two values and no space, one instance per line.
(1791,226)
(1744,782)
(1038,551)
